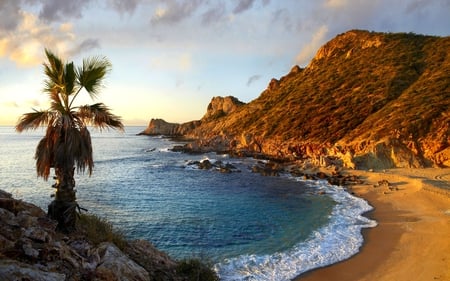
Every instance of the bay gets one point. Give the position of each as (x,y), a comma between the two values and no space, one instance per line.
(251,227)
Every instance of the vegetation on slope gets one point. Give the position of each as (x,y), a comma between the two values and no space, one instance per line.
(361,88)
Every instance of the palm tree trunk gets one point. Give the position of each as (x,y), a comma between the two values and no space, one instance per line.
(63,207)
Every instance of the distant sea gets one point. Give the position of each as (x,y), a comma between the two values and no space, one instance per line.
(251,227)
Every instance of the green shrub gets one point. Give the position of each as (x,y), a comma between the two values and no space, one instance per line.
(195,270)
(99,230)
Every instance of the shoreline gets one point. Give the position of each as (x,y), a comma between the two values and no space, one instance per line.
(411,242)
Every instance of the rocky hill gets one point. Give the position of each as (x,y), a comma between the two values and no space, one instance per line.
(366,100)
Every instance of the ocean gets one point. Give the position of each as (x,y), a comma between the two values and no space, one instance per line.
(249,226)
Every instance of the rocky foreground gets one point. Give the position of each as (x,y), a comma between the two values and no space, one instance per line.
(31,249)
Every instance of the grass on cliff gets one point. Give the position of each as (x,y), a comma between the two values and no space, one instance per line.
(99,230)
(196,270)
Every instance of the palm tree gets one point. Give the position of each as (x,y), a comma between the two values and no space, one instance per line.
(67,141)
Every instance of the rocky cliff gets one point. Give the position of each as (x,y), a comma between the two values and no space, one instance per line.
(366,100)
(217,108)
(31,249)
(220,107)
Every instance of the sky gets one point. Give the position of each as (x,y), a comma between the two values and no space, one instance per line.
(171,57)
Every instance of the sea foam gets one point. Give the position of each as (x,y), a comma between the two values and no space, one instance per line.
(340,239)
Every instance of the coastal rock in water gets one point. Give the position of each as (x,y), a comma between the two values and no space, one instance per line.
(267,169)
(205,164)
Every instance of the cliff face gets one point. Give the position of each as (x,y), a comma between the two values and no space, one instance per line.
(31,249)
(218,107)
(368,100)
(160,127)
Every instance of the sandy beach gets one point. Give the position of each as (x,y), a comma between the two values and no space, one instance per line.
(412,239)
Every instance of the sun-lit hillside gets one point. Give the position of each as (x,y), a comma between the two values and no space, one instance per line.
(382,96)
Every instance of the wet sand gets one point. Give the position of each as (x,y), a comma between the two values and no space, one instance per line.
(412,239)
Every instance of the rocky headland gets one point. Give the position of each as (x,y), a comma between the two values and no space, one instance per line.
(366,101)
(32,249)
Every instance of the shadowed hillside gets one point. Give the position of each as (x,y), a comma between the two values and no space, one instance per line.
(369,100)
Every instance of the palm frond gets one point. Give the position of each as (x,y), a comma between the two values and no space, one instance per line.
(54,70)
(84,158)
(60,81)
(57,106)
(90,75)
(45,151)
(99,115)
(44,158)
(69,79)
(75,149)
(34,120)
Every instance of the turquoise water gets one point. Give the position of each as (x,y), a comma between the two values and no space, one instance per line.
(252,227)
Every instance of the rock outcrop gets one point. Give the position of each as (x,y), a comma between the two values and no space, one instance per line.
(31,249)
(220,107)
(160,127)
(217,108)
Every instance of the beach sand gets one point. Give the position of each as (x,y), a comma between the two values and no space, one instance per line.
(412,239)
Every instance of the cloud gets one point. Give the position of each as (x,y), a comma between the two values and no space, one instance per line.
(25,45)
(282,16)
(56,10)
(12,104)
(9,15)
(418,6)
(243,5)
(335,3)
(253,78)
(22,46)
(27,54)
(125,6)
(308,51)
(179,62)
(84,46)
(173,11)
(214,14)
(179,82)
(34,103)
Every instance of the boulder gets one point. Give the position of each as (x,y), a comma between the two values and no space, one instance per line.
(114,262)
(11,270)
(158,264)
(267,169)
